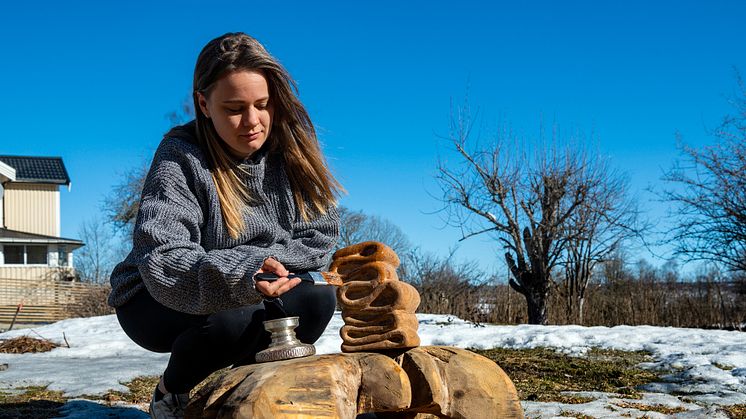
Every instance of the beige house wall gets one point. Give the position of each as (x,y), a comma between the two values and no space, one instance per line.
(29,273)
(33,291)
(33,208)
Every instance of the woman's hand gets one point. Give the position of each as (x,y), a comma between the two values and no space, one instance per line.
(281,285)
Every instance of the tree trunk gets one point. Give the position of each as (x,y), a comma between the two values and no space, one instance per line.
(537,307)
(532,286)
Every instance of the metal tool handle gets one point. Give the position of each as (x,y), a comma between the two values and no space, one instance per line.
(270,276)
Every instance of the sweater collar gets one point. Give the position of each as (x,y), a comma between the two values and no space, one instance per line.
(255,159)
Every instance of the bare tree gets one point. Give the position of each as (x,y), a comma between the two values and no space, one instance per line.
(96,259)
(532,204)
(357,227)
(595,231)
(447,287)
(122,204)
(708,195)
(185,112)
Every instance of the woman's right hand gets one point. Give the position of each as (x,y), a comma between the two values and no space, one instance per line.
(281,285)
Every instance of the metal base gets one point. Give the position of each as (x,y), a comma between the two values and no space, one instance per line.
(284,344)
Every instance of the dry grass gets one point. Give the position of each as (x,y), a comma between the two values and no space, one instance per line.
(543,375)
(576,415)
(26,344)
(723,367)
(736,411)
(40,403)
(666,410)
(539,374)
(31,403)
(140,391)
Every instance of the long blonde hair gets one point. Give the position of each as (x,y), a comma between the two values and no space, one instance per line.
(293,135)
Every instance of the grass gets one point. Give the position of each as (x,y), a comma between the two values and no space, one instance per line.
(736,411)
(140,391)
(666,410)
(40,403)
(575,415)
(543,375)
(723,366)
(26,344)
(539,375)
(31,403)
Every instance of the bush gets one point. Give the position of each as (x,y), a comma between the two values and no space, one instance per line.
(92,303)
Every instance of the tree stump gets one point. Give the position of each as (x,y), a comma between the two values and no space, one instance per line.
(443,381)
(406,382)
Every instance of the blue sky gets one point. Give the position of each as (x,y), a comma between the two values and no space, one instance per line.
(93,83)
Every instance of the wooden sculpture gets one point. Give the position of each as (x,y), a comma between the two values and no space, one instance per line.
(424,382)
(402,381)
(377,308)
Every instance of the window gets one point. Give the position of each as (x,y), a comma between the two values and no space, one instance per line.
(36,255)
(18,254)
(62,255)
(13,255)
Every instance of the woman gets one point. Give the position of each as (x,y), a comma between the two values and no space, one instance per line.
(241,190)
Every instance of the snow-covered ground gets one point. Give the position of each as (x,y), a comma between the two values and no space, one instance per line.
(708,366)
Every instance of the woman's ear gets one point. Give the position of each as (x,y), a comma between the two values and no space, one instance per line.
(202,101)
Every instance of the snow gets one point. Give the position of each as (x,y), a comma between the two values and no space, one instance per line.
(606,405)
(708,367)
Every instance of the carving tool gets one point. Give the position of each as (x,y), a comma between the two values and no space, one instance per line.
(314,277)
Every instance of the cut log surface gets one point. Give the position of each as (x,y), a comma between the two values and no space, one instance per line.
(445,382)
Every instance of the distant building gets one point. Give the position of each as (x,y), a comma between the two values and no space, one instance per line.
(30,244)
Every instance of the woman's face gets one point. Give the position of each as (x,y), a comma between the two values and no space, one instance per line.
(239,108)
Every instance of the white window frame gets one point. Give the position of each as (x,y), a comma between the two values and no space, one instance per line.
(25,255)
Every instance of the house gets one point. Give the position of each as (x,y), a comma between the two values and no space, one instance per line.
(30,244)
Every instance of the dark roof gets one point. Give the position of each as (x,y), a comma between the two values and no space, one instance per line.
(38,169)
(13,236)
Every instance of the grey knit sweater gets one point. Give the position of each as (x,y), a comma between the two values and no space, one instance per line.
(182,252)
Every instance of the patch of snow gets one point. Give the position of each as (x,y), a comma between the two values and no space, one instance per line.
(606,405)
(707,367)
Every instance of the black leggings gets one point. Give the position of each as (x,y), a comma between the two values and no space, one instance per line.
(202,344)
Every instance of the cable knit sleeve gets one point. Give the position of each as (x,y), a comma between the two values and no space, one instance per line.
(312,242)
(176,270)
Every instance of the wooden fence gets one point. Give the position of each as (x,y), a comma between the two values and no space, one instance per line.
(40,301)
